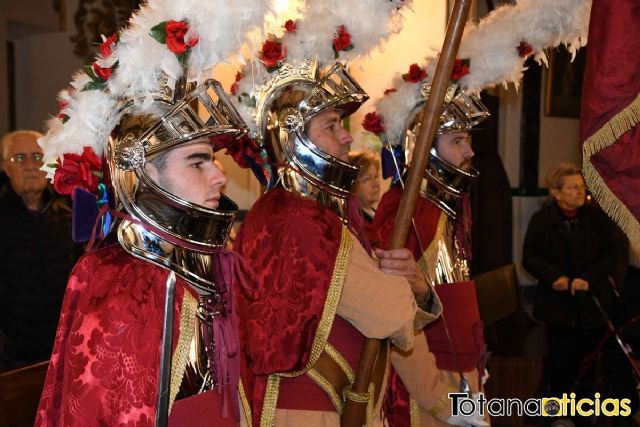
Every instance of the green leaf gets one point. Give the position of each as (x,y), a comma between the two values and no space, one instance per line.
(88,70)
(183,57)
(158,32)
(98,174)
(65,118)
(52,165)
(93,86)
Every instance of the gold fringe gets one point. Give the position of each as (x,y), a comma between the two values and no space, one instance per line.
(185,336)
(606,136)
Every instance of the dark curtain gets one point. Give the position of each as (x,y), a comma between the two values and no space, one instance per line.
(490,198)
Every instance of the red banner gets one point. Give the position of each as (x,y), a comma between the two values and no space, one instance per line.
(609,125)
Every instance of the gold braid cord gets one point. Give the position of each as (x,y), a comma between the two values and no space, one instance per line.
(414,409)
(322,333)
(244,402)
(185,336)
(606,136)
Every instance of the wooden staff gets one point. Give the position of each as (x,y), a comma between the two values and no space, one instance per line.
(354,413)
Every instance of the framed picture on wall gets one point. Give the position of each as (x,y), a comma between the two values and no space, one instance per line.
(564,83)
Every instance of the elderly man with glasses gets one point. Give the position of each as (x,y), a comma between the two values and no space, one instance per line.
(37,253)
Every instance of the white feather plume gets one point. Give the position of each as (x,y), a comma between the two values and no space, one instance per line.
(370,23)
(220,27)
(491,46)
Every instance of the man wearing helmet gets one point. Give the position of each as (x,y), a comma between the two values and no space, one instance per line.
(320,292)
(148,329)
(440,244)
(170,218)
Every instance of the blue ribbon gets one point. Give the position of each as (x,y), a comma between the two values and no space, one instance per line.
(103,199)
(389,168)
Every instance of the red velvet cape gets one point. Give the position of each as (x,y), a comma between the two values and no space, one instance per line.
(292,244)
(104,365)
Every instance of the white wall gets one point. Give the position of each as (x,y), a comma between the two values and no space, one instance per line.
(422,34)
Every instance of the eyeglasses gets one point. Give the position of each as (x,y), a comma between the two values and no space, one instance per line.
(21,158)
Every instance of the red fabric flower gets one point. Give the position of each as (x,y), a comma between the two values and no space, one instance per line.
(373,123)
(271,54)
(62,104)
(102,73)
(342,40)
(243,150)
(234,86)
(524,49)
(390,91)
(78,171)
(290,26)
(415,74)
(460,69)
(175,31)
(106,46)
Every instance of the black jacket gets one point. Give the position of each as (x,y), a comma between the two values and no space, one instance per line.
(35,261)
(584,247)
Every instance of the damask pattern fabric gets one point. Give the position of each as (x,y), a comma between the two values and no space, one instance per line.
(292,243)
(104,366)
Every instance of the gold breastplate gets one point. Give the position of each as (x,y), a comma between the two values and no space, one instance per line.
(197,376)
(440,262)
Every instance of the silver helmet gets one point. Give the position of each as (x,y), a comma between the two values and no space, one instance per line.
(165,228)
(284,109)
(444,183)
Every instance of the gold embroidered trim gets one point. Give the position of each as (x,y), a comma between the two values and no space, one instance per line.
(327,387)
(185,336)
(358,397)
(244,402)
(331,303)
(606,136)
(322,333)
(370,404)
(415,412)
(441,403)
(428,254)
(385,379)
(341,361)
(270,401)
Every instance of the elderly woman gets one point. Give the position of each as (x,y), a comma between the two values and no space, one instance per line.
(570,249)
(367,186)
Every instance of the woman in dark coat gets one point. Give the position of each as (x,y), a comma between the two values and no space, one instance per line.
(571,249)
